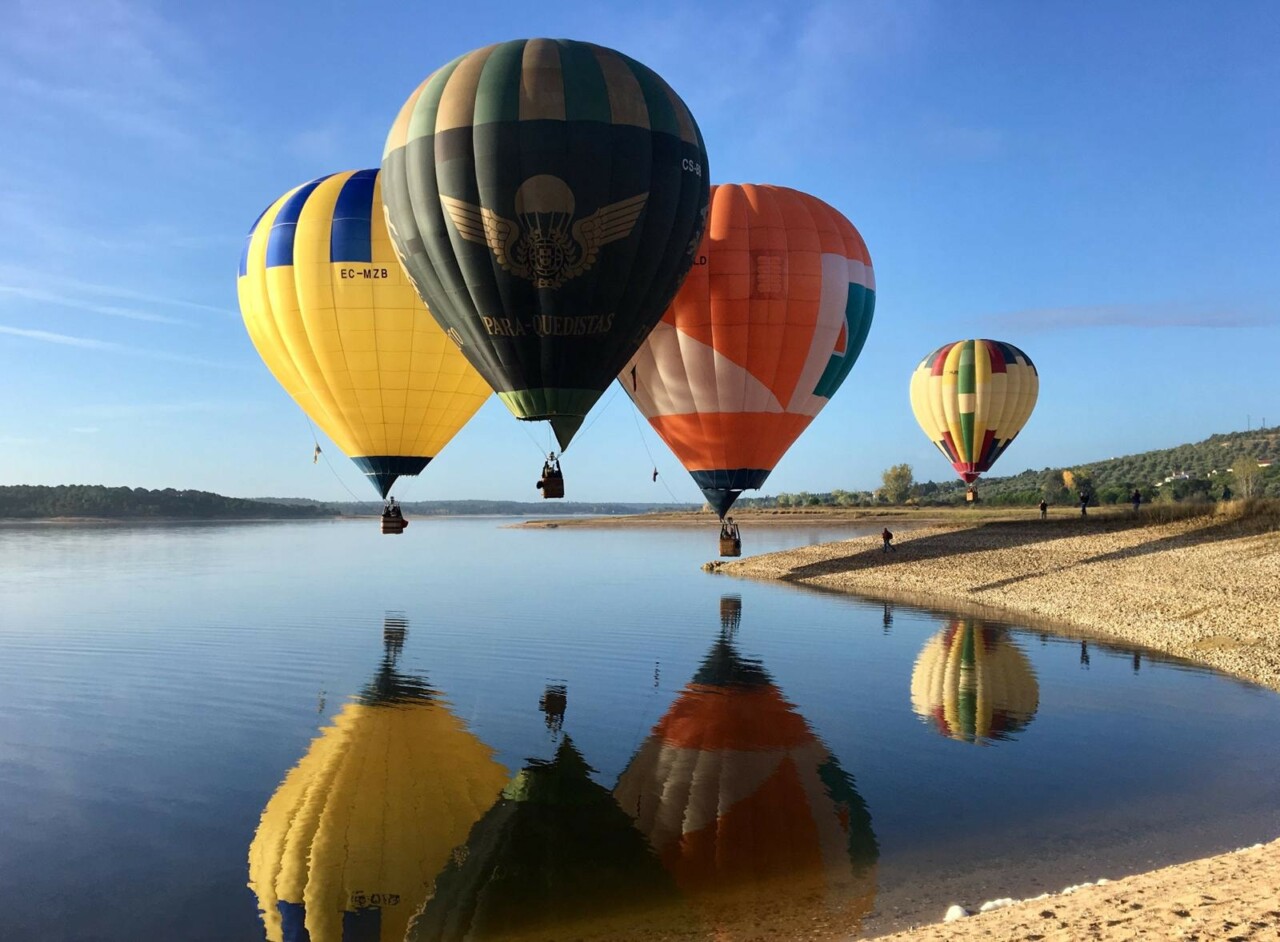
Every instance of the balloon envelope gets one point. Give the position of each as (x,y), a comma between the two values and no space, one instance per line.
(765,329)
(972,397)
(748,809)
(342,329)
(350,842)
(974,684)
(555,858)
(546,197)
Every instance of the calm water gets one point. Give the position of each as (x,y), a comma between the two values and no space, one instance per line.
(571,732)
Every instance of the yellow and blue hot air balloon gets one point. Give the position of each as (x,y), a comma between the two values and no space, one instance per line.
(547,197)
(342,329)
(972,397)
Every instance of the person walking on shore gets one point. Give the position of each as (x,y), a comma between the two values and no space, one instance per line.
(1137,500)
(888,541)
(1044,509)
(1084,503)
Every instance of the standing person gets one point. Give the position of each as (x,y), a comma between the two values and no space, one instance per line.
(888,541)
(1084,503)
(1044,508)
(1137,500)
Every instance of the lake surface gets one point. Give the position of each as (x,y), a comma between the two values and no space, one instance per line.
(473,731)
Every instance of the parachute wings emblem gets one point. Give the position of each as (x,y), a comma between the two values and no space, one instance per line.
(542,246)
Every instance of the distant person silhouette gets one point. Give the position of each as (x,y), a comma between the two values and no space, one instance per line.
(888,541)
(1084,503)
(1044,509)
(1137,500)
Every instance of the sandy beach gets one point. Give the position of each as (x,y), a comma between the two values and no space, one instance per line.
(1203,587)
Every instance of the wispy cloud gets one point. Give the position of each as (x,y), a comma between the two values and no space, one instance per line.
(1149,316)
(48,297)
(55,288)
(108,346)
(116,64)
(137,410)
(965,143)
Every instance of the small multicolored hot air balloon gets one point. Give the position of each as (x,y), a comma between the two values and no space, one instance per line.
(748,810)
(546,197)
(350,842)
(343,331)
(974,683)
(972,397)
(765,329)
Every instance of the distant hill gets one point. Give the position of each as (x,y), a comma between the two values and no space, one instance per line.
(1112,479)
(1197,470)
(35,502)
(489,508)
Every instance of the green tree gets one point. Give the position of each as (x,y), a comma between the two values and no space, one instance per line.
(897,483)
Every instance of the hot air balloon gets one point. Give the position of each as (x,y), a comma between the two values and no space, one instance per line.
(974,684)
(972,397)
(350,842)
(342,329)
(554,859)
(765,329)
(747,809)
(546,197)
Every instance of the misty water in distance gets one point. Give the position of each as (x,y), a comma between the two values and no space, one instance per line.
(473,731)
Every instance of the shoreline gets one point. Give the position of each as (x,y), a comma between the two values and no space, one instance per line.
(1203,586)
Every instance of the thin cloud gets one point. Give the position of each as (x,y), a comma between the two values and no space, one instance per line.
(1147,316)
(107,346)
(137,410)
(48,297)
(111,62)
(22,281)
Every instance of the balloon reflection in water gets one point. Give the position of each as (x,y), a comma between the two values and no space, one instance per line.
(554,859)
(974,683)
(349,843)
(747,809)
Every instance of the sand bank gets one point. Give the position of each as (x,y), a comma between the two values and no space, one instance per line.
(1206,588)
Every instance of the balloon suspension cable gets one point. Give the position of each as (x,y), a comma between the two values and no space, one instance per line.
(635,412)
(320,452)
(542,452)
(604,408)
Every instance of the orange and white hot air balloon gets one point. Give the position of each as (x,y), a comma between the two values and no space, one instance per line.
(764,330)
(748,810)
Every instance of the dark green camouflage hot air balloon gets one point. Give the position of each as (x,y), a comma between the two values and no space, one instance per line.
(547,198)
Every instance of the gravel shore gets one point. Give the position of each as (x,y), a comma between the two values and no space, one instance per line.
(1205,588)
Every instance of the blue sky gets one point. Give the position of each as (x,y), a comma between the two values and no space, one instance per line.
(1096,183)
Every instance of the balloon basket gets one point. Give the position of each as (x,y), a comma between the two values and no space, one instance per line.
(730,546)
(553,487)
(394,525)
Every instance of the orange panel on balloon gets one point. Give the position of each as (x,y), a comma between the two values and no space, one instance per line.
(729,439)
(753,718)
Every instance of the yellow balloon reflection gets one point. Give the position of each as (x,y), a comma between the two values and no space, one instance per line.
(747,809)
(349,844)
(974,684)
